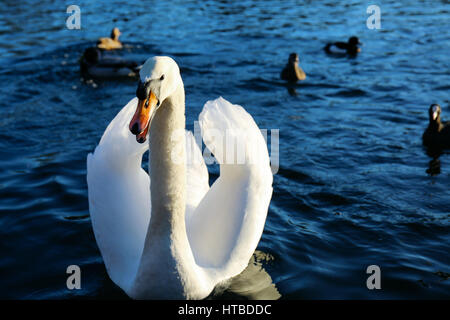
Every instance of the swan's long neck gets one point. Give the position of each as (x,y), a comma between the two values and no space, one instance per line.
(167,262)
(167,166)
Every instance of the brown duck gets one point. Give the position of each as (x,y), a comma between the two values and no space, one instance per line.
(112,42)
(292,72)
(438,133)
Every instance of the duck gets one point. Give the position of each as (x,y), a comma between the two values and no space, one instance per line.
(111,43)
(292,72)
(94,63)
(168,234)
(350,47)
(437,133)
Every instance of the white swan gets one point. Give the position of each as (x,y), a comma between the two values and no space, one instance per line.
(194,236)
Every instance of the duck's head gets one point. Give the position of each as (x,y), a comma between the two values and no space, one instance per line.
(115,33)
(434,112)
(159,78)
(91,55)
(293,58)
(353,41)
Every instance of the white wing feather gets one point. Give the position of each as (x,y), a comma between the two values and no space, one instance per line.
(119,198)
(197,182)
(226,226)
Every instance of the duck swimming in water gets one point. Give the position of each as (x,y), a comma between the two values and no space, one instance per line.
(112,42)
(438,133)
(350,47)
(292,72)
(97,64)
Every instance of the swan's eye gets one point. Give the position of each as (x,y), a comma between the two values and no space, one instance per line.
(162,78)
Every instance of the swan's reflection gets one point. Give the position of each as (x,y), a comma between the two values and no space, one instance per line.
(254,283)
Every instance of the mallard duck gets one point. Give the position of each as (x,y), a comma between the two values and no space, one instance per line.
(350,47)
(438,133)
(292,72)
(96,64)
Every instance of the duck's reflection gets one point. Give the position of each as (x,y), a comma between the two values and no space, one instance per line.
(292,90)
(254,283)
(434,165)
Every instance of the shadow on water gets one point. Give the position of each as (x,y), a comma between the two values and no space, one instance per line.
(254,283)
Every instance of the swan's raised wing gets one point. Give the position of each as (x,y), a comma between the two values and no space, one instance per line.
(119,195)
(197,182)
(119,198)
(226,226)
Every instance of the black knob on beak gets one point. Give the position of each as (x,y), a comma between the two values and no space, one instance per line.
(141,91)
(135,129)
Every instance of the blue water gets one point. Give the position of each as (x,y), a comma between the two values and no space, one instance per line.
(355,186)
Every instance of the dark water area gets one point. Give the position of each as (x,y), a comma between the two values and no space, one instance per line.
(355,186)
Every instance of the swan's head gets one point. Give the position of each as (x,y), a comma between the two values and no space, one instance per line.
(159,78)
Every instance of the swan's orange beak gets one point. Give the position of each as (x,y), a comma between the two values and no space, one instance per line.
(140,122)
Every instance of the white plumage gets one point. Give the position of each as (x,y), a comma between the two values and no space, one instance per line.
(196,236)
